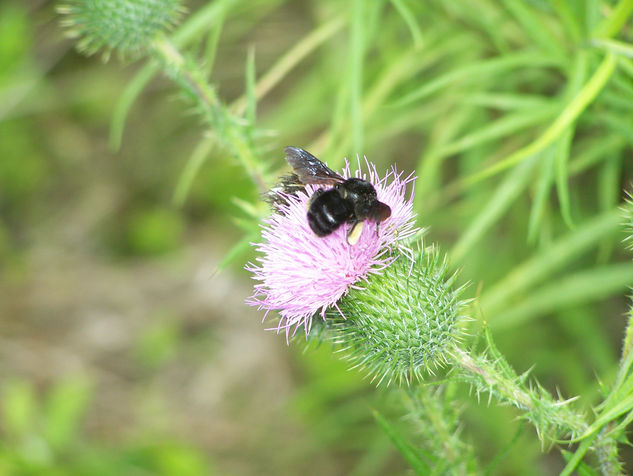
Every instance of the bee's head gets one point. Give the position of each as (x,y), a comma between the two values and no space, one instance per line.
(379,211)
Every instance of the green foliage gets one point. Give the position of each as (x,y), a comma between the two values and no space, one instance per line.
(516,117)
(14,35)
(23,170)
(434,414)
(42,434)
(152,232)
(408,451)
(158,344)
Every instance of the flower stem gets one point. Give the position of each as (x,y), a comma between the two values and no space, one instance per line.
(606,448)
(553,419)
(228,128)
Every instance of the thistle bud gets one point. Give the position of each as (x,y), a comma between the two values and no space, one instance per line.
(404,323)
(125,26)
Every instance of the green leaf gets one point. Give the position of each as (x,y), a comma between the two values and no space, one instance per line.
(19,407)
(414,456)
(578,288)
(561,157)
(596,151)
(611,25)
(567,116)
(409,18)
(562,146)
(251,99)
(613,46)
(213,41)
(65,405)
(543,186)
(508,101)
(582,468)
(502,127)
(127,98)
(550,260)
(357,44)
(568,19)
(499,203)
(291,59)
(193,165)
(482,69)
(536,30)
(609,194)
(237,250)
(576,459)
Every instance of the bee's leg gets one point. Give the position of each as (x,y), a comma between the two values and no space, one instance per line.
(354,232)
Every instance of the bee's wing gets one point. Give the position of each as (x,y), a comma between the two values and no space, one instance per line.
(309,169)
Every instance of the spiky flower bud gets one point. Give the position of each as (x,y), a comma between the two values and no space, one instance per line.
(404,322)
(125,26)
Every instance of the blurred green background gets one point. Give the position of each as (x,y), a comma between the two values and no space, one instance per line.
(126,350)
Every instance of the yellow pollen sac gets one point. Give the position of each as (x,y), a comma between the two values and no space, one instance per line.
(353,235)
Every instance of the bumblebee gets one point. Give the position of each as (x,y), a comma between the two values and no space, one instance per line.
(351,200)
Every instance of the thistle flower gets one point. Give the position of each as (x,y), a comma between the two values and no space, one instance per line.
(301,275)
(123,25)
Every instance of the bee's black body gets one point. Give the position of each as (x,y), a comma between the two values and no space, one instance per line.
(350,200)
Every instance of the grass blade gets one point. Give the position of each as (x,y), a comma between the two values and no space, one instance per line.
(616,47)
(237,250)
(124,104)
(409,19)
(290,60)
(507,101)
(614,23)
(251,100)
(536,30)
(543,185)
(579,288)
(498,204)
(563,145)
(567,19)
(410,454)
(561,157)
(211,47)
(482,69)
(553,132)
(550,260)
(356,60)
(192,167)
(506,125)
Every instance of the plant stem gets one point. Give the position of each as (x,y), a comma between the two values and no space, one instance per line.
(553,419)
(228,128)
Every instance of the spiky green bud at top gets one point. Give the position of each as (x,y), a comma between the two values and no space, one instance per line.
(404,322)
(125,26)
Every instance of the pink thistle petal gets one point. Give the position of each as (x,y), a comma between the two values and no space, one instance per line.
(300,274)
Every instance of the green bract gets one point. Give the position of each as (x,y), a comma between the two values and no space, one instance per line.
(404,322)
(122,25)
